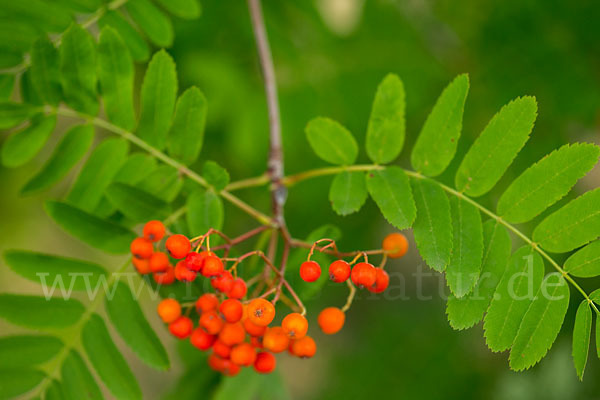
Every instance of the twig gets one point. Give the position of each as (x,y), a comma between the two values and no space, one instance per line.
(335,252)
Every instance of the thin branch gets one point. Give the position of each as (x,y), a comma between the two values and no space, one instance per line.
(275,166)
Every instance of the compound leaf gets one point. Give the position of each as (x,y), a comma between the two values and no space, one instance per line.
(140,51)
(12,114)
(186,9)
(14,382)
(215,175)
(45,71)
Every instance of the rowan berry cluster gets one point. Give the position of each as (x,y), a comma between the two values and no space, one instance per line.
(239,331)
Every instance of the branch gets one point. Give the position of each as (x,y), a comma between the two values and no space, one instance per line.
(275,165)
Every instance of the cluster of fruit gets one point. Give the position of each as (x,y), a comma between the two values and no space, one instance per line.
(237,331)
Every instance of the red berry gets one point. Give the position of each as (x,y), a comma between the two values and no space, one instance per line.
(141,248)
(169,310)
(232,310)
(215,362)
(213,266)
(142,265)
(252,329)
(230,369)
(166,277)
(222,282)
(154,231)
(238,289)
(202,340)
(178,246)
(331,320)
(382,280)
(265,362)
(395,245)
(182,327)
(211,322)
(207,302)
(304,348)
(295,325)
(232,334)
(276,340)
(182,273)
(363,274)
(194,261)
(159,262)
(243,354)
(339,271)
(261,312)
(310,271)
(221,349)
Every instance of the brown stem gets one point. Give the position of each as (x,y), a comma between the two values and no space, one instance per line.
(241,238)
(335,252)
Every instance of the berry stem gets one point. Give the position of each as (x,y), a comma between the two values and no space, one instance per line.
(335,252)
(99,122)
(350,296)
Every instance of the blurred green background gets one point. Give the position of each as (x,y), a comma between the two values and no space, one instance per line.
(329,57)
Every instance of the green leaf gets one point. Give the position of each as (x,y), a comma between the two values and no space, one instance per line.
(97,173)
(541,323)
(82,6)
(436,145)
(204,211)
(186,9)
(581,337)
(77,381)
(16,37)
(76,274)
(153,22)
(136,168)
(164,182)
(586,262)
(96,232)
(390,189)
(12,114)
(215,175)
(597,337)
(331,141)
(249,385)
(128,319)
(27,350)
(7,84)
(14,382)
(158,99)
(44,15)
(595,296)
(29,93)
(115,73)
(462,273)
(468,310)
(108,361)
(54,391)
(348,192)
(67,153)
(387,125)
(572,226)
(38,312)
(23,145)
(187,132)
(495,149)
(546,182)
(136,204)
(512,298)
(140,51)
(433,224)
(45,72)
(78,70)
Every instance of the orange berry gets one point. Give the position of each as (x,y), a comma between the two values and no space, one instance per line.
(363,274)
(166,277)
(232,310)
(154,231)
(169,310)
(382,280)
(141,248)
(295,325)
(339,271)
(221,349)
(310,271)
(305,347)
(222,282)
(213,266)
(182,327)
(142,265)
(230,369)
(207,302)
(211,322)
(178,246)
(261,312)
(331,320)
(238,289)
(243,354)
(159,262)
(202,340)
(215,362)
(252,329)
(256,341)
(276,340)
(265,362)
(395,245)
(232,334)
(183,274)
(194,261)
